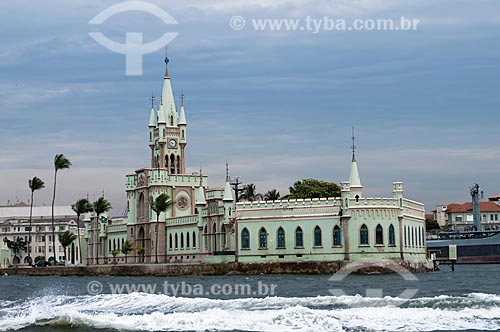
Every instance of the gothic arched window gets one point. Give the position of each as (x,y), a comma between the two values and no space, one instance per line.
(262,238)
(392,236)
(171,120)
(281,238)
(379,235)
(317,237)
(337,238)
(363,235)
(245,239)
(299,238)
(172,163)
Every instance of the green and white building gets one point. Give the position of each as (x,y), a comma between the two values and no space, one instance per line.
(205,226)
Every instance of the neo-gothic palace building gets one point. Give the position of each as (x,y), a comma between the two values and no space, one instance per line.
(204,225)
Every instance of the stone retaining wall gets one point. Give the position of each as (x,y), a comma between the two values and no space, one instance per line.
(219,269)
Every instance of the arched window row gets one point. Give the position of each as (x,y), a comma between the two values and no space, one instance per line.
(263,238)
(182,240)
(364,238)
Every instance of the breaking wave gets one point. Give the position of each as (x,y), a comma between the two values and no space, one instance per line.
(149,312)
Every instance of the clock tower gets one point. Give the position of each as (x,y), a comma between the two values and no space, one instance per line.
(167,131)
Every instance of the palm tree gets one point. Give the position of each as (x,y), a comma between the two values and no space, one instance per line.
(160,204)
(140,252)
(250,193)
(66,239)
(126,249)
(35,184)
(102,205)
(16,246)
(81,206)
(60,162)
(272,195)
(115,253)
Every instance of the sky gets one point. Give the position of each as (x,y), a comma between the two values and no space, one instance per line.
(277,105)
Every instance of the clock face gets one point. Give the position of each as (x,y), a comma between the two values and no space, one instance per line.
(172,143)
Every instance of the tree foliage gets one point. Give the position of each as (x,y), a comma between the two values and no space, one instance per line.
(312,188)
(250,193)
(66,239)
(60,163)
(80,207)
(126,249)
(159,204)
(431,224)
(272,195)
(16,245)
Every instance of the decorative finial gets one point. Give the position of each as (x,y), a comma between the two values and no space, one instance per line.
(167,60)
(354,147)
(183,96)
(227,172)
(152,100)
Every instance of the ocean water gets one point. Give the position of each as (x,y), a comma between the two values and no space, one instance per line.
(465,300)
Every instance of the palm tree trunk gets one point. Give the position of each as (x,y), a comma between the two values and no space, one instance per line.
(96,238)
(53,227)
(29,232)
(79,242)
(157,231)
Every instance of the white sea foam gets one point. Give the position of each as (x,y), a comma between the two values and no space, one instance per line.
(147,312)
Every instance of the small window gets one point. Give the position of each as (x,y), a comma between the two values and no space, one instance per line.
(392,236)
(337,238)
(245,239)
(379,235)
(262,238)
(317,237)
(281,238)
(299,238)
(363,235)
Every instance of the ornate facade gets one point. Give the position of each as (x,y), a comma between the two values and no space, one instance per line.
(204,225)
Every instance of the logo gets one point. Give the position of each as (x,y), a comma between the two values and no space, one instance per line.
(386,265)
(133,48)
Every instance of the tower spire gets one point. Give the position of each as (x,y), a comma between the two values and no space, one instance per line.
(228,193)
(152,100)
(353,146)
(183,96)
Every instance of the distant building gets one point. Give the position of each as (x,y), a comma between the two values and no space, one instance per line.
(440,215)
(460,216)
(14,223)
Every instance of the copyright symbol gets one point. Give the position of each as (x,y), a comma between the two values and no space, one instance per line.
(94,288)
(237,23)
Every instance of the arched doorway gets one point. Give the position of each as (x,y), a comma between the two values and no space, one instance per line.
(16,260)
(27,260)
